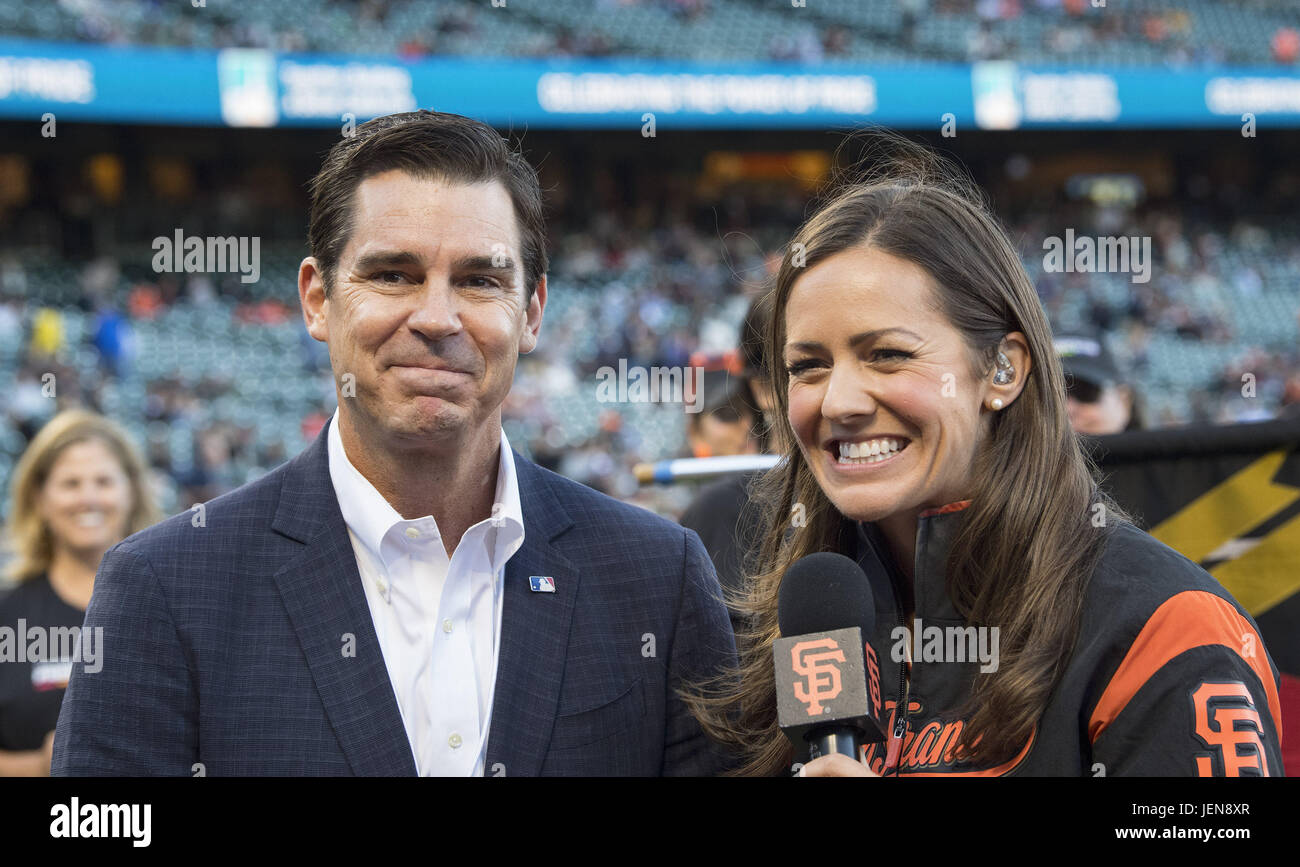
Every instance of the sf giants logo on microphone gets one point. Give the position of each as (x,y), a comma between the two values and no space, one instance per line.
(815,661)
(821,678)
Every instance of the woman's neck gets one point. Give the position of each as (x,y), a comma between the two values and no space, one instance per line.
(72,575)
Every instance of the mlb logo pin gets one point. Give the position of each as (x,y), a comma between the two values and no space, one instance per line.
(542,583)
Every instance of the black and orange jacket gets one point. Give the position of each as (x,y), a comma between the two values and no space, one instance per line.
(1168,677)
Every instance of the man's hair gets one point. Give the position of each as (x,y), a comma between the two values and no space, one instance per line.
(425,144)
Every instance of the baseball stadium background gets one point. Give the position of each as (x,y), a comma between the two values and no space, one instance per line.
(679,142)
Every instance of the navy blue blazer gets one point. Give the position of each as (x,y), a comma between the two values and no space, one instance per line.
(224,644)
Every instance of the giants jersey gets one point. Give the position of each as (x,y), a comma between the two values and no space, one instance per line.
(1168,676)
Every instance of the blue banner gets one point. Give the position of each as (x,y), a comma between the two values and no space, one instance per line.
(256,88)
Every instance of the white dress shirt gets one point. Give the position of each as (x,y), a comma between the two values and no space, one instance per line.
(438,621)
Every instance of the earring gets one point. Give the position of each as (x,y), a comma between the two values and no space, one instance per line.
(1005,372)
(996,403)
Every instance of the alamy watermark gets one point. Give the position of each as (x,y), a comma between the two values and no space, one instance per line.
(75,819)
(53,645)
(638,384)
(1107,254)
(946,644)
(210,255)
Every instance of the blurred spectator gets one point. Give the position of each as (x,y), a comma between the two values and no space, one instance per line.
(47,335)
(31,402)
(727,418)
(1291,397)
(1286,45)
(912,11)
(145,301)
(113,339)
(835,41)
(718,513)
(79,489)
(11,324)
(1099,398)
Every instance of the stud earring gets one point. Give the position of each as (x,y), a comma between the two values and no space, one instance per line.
(996,403)
(1005,372)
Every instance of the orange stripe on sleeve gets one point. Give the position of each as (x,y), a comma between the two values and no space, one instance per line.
(1193,618)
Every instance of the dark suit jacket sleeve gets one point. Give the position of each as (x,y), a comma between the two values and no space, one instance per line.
(703,647)
(138,714)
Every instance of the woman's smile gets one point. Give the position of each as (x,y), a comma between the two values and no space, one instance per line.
(865,456)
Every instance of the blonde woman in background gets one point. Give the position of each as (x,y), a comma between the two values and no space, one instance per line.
(79,488)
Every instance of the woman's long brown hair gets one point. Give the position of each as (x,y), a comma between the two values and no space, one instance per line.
(1031,537)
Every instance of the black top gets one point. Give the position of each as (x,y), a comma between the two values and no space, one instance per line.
(31,693)
(727,523)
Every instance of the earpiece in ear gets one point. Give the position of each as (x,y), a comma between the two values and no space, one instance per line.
(1005,372)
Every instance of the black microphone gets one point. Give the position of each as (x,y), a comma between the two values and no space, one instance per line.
(827,674)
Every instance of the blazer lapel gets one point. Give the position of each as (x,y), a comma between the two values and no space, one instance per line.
(534,633)
(322,592)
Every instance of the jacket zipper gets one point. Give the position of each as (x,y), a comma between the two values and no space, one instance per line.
(895,749)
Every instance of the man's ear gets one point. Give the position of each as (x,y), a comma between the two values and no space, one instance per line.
(311,295)
(1016,348)
(533,324)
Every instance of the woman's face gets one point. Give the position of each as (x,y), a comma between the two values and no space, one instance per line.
(874,371)
(86,501)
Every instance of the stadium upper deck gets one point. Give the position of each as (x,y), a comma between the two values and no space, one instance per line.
(1080,32)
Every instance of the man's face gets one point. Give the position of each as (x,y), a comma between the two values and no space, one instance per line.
(713,435)
(1108,414)
(428,311)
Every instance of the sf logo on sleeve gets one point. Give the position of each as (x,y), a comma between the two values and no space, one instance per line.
(1227,723)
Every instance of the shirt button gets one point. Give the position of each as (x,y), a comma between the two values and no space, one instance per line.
(412,532)
(455,741)
(383,588)
(446,626)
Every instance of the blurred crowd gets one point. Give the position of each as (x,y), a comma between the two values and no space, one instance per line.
(669,295)
(1190,32)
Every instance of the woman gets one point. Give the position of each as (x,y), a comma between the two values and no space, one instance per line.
(78,490)
(922,416)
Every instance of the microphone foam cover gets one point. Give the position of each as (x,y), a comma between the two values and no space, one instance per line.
(822,592)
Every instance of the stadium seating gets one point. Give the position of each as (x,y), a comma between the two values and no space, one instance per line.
(264,382)
(1141,32)
(264,379)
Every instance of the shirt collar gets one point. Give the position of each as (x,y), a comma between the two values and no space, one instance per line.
(933,534)
(371,518)
(935,529)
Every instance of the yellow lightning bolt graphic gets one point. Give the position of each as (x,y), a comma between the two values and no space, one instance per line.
(1267,573)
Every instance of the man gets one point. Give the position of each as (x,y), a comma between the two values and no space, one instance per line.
(407,595)
(726,421)
(1099,400)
